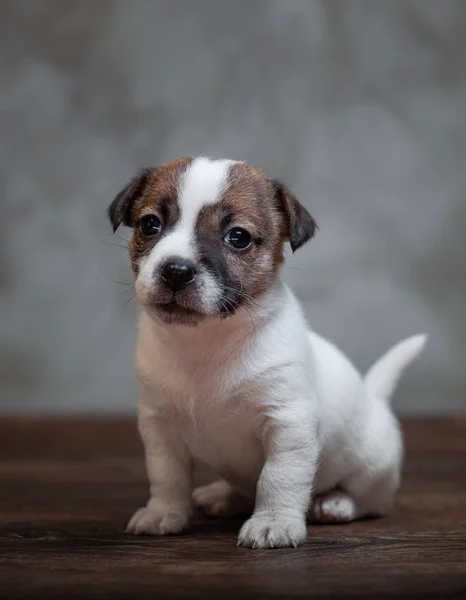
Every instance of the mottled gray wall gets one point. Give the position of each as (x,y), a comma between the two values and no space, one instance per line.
(359,105)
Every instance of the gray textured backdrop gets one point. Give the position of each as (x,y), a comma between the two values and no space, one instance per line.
(360,106)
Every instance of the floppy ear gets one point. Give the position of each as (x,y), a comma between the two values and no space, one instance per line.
(299,225)
(120,209)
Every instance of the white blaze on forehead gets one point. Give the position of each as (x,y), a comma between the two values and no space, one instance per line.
(200,185)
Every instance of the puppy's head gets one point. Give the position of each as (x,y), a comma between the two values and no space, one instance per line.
(208,236)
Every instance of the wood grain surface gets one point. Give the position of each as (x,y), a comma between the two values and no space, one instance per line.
(67,488)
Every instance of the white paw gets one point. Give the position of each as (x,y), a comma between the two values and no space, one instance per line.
(157,521)
(334,507)
(273,531)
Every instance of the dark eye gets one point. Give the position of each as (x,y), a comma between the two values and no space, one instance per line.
(150,225)
(238,238)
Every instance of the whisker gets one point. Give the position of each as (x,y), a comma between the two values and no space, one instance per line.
(122,238)
(236,304)
(128,283)
(254,324)
(244,295)
(131,289)
(129,300)
(253,300)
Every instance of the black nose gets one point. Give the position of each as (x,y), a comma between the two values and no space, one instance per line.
(177,273)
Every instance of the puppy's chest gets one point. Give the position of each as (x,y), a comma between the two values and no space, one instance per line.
(211,408)
(218,414)
(225,434)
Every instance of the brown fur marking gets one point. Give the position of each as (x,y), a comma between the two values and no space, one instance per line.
(159,197)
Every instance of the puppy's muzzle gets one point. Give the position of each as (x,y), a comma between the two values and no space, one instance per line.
(177,273)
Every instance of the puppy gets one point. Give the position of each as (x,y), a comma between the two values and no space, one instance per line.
(229,374)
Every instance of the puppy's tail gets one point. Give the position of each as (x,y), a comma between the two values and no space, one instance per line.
(382,378)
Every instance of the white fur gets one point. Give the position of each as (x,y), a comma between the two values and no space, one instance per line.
(277,411)
(383,376)
(200,185)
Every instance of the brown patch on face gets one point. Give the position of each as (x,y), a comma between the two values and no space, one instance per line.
(152,191)
(251,201)
(248,203)
(251,194)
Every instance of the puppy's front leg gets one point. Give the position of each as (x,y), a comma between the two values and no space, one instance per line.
(169,468)
(284,487)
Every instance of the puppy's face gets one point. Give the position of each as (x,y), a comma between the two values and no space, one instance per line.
(208,236)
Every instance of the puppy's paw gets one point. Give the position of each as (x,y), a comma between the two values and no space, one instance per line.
(219,499)
(157,520)
(273,531)
(333,507)
(215,499)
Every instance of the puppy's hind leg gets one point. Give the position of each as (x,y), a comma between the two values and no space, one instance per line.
(333,507)
(220,499)
(374,495)
(358,497)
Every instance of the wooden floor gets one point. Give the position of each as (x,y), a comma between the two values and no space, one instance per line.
(67,489)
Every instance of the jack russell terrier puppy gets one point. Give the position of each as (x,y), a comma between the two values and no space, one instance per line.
(229,373)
